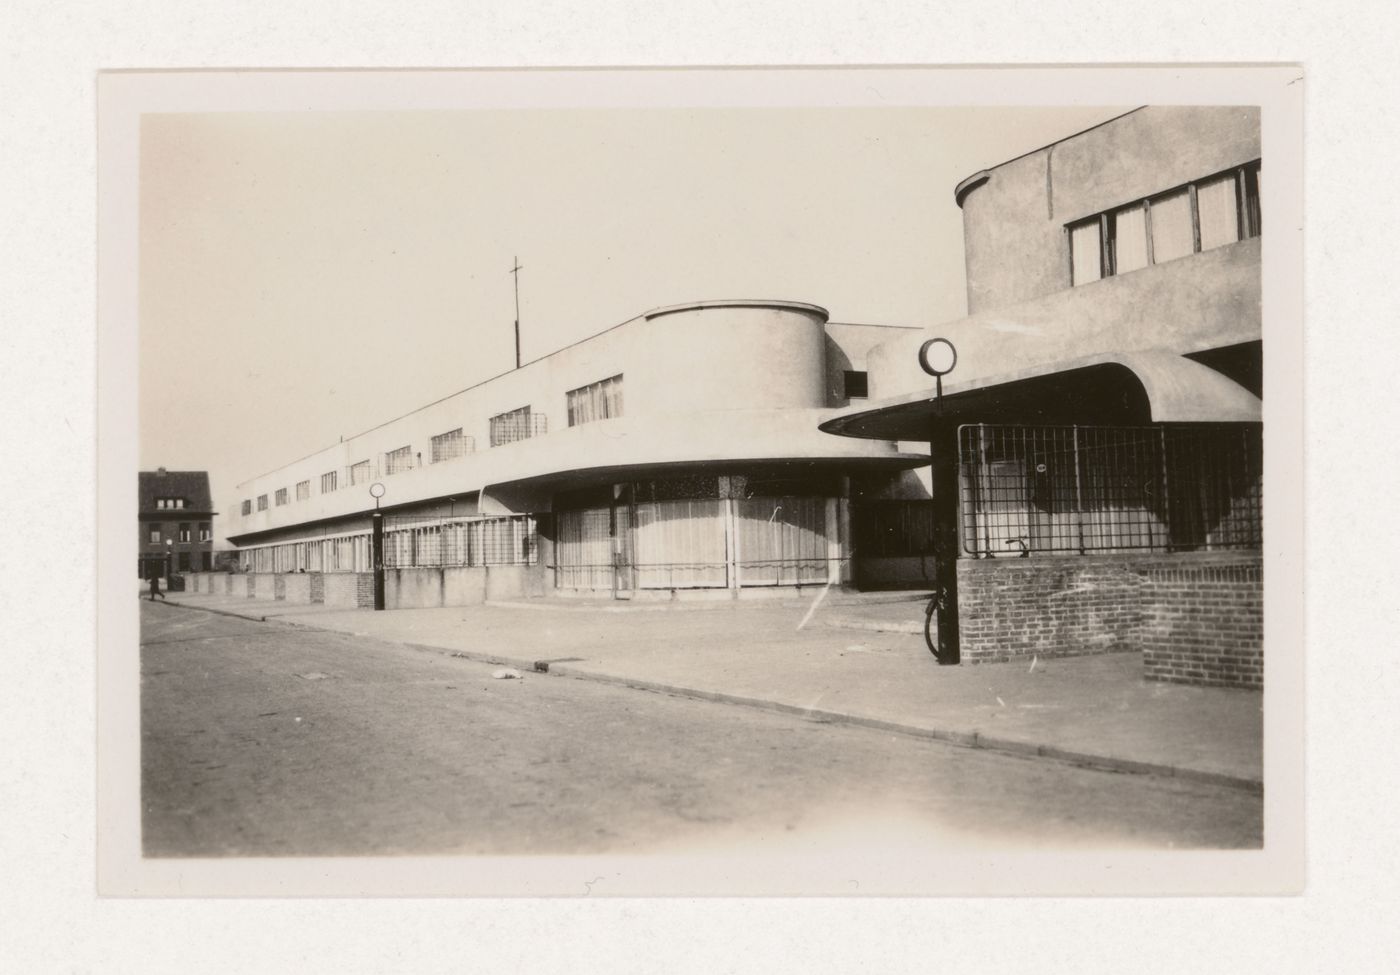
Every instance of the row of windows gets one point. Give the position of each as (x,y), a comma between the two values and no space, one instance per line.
(170,503)
(1208,213)
(153,532)
(596,401)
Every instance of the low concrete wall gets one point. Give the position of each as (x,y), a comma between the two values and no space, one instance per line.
(1196,617)
(412,588)
(507,582)
(463,586)
(297,589)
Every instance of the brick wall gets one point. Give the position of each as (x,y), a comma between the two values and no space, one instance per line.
(1204,624)
(1196,617)
(364,590)
(318,588)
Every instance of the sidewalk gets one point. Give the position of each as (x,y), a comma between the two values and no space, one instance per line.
(840,666)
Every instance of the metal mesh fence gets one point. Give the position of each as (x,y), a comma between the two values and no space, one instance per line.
(1103,489)
(416,542)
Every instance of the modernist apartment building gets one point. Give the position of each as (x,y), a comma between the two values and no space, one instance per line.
(1102,423)
(176,523)
(678,451)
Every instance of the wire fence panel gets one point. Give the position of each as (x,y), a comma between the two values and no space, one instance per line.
(416,542)
(1105,489)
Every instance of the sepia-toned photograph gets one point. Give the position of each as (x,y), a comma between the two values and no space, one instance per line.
(858,470)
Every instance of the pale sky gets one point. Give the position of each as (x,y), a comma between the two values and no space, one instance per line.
(306,276)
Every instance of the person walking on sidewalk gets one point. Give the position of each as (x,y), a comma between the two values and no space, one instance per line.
(155,587)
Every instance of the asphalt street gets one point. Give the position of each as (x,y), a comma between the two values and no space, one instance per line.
(264,739)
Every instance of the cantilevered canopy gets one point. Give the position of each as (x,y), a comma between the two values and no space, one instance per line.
(1120,388)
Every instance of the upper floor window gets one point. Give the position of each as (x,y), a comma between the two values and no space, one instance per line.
(303,490)
(596,401)
(516,425)
(398,460)
(262,502)
(449,445)
(328,480)
(857,385)
(206,532)
(184,531)
(170,502)
(1208,213)
(247,507)
(359,473)
(280,497)
(153,534)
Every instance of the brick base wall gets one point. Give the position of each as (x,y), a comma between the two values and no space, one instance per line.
(364,590)
(1204,624)
(1196,617)
(318,588)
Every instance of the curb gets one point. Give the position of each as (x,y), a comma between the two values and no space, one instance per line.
(965,739)
(220,612)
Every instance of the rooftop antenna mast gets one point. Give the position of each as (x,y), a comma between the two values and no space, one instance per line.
(516,272)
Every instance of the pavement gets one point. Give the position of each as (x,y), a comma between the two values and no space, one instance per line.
(846,658)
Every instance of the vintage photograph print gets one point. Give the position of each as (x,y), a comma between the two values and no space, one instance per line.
(851,476)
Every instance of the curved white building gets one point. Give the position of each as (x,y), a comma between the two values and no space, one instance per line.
(679,450)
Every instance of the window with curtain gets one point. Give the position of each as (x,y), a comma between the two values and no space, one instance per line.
(1085,244)
(596,401)
(1129,227)
(1172,234)
(1218,206)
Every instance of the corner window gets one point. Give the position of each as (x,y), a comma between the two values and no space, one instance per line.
(206,532)
(596,401)
(1199,216)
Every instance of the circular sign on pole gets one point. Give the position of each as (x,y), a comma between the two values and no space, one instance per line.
(376,490)
(937,357)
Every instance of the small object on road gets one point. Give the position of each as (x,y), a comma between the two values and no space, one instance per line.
(999,701)
(313,675)
(298,720)
(1034,658)
(507,673)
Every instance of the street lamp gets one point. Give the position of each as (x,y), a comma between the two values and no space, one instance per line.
(376,491)
(937,357)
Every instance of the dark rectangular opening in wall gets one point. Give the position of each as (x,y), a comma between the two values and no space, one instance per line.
(857,385)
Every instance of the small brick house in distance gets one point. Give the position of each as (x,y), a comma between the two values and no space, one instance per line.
(176,522)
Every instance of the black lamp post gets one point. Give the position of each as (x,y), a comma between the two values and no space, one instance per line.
(376,491)
(937,357)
